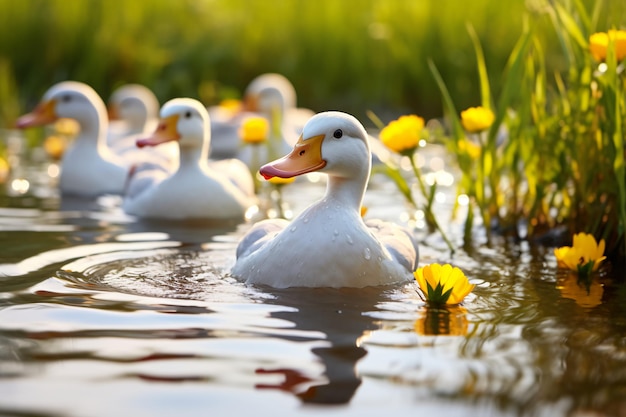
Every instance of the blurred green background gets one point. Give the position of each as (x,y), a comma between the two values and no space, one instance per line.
(350,55)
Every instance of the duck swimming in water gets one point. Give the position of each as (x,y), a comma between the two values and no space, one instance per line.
(88,168)
(199,189)
(328,244)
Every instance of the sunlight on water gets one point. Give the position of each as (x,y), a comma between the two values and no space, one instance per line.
(145,318)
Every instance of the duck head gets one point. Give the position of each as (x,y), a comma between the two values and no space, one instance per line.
(68,99)
(184,120)
(268,90)
(135,104)
(331,142)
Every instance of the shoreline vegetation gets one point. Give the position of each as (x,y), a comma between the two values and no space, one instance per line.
(553,157)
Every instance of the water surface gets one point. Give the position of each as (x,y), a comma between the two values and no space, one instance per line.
(103,315)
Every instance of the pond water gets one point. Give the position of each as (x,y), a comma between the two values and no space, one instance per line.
(103,315)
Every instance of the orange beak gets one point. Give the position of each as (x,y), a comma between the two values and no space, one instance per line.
(43,114)
(113,112)
(251,103)
(306,156)
(166,131)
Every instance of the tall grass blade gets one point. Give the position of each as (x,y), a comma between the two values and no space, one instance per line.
(570,25)
(513,73)
(485,90)
(449,107)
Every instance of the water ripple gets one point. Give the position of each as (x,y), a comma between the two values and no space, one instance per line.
(55,256)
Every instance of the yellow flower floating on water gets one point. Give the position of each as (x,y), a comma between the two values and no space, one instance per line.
(443,284)
(477,119)
(254,130)
(584,256)
(599,43)
(403,135)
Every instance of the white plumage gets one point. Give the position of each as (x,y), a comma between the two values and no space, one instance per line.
(198,189)
(134,113)
(133,109)
(328,244)
(88,167)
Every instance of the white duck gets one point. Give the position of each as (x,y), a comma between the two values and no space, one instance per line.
(133,113)
(271,96)
(133,109)
(198,189)
(328,244)
(88,167)
(293,117)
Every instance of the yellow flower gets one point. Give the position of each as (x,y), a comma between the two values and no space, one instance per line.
(54,146)
(470,148)
(254,130)
(66,127)
(231,104)
(443,284)
(477,119)
(584,256)
(599,43)
(404,134)
(4,170)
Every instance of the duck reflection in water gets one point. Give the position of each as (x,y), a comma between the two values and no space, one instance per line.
(338,313)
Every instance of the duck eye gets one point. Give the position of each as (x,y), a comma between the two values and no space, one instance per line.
(338,133)
(188,115)
(66,98)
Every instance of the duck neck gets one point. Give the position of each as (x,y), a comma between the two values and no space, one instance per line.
(136,125)
(137,122)
(347,192)
(193,157)
(92,131)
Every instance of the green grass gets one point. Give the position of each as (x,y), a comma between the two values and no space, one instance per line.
(560,161)
(349,55)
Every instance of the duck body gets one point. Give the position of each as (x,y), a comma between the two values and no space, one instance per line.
(197,189)
(323,247)
(88,168)
(190,193)
(328,244)
(88,171)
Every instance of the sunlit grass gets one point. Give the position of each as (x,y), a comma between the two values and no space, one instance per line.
(555,153)
(349,55)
